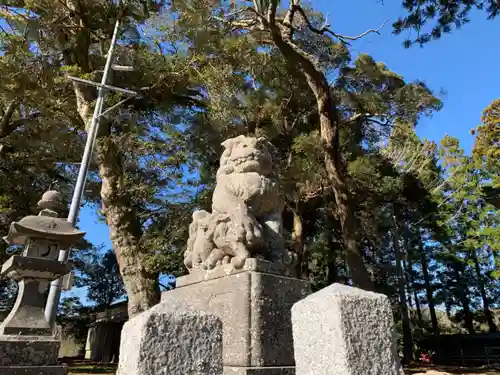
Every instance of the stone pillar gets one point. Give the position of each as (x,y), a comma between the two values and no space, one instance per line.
(91,342)
(344,331)
(254,306)
(171,339)
(28,342)
(98,342)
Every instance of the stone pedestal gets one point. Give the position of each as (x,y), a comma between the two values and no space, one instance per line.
(345,331)
(254,304)
(171,339)
(34,370)
(29,350)
(30,355)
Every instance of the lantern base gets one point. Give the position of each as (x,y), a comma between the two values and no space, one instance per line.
(34,370)
(28,351)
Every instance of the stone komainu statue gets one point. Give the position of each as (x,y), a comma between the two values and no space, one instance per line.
(246,210)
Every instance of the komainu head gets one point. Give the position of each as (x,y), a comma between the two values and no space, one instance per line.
(247,154)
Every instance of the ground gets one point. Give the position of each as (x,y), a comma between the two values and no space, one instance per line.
(85,368)
(431,370)
(92,369)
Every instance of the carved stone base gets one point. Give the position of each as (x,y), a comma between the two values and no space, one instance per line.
(28,351)
(251,264)
(34,370)
(254,305)
(259,370)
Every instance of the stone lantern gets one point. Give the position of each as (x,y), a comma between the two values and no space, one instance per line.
(28,343)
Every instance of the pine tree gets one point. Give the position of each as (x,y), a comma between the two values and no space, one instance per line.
(442,16)
(354,111)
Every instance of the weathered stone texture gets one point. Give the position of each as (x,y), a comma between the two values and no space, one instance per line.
(28,351)
(254,308)
(345,331)
(45,370)
(171,339)
(251,264)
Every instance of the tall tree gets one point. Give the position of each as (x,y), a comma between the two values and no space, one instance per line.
(469,221)
(289,35)
(486,148)
(405,315)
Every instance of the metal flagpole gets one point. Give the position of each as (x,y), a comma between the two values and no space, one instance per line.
(55,286)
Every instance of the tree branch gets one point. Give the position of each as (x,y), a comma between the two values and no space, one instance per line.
(5,126)
(248,23)
(243,10)
(378,122)
(163,286)
(271,12)
(326,30)
(366,117)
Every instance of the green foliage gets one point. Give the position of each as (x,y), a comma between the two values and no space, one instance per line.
(440,16)
(486,149)
(8,293)
(100,275)
(74,319)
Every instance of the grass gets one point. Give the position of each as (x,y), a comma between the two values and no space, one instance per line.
(91,369)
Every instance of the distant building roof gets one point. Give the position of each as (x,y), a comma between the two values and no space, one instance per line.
(117,312)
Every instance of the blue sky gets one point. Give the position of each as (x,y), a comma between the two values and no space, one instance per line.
(462,63)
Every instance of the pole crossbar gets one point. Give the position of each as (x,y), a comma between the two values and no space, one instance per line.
(104,86)
(115,106)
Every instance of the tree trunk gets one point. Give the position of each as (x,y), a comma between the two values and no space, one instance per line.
(407,337)
(125,232)
(417,305)
(329,133)
(469,320)
(486,304)
(429,291)
(333,274)
(142,286)
(301,268)
(125,229)
(3,252)
(408,288)
(414,289)
(343,198)
(462,295)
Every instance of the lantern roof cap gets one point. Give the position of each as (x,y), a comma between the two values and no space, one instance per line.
(47,225)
